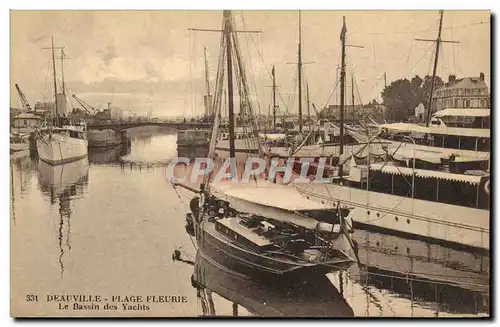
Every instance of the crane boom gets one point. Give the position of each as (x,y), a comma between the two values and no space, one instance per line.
(85,105)
(24,101)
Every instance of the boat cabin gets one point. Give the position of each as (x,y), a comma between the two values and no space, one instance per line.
(452,128)
(243,232)
(467,190)
(462,117)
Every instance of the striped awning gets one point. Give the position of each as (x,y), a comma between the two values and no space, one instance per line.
(424,173)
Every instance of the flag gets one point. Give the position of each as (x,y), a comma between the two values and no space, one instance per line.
(272,72)
(343,32)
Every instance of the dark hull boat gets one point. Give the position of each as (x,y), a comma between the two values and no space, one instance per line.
(274,242)
(230,253)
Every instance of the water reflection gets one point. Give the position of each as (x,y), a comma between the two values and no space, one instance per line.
(21,171)
(300,298)
(407,277)
(62,184)
(56,218)
(157,150)
(108,155)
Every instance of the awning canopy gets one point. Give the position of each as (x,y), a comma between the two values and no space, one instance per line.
(424,173)
(455,131)
(270,194)
(275,201)
(463,112)
(407,153)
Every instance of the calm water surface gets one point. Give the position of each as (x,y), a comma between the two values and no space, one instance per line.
(108,226)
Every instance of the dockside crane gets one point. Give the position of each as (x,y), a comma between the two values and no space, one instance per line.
(87,107)
(24,101)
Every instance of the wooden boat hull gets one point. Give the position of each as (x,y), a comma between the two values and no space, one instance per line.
(238,259)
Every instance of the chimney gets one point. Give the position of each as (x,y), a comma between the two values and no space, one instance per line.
(481,76)
(451,78)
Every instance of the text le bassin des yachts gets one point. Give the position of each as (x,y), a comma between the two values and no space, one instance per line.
(112,303)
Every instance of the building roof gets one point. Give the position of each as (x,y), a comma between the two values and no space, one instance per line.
(26,115)
(465,83)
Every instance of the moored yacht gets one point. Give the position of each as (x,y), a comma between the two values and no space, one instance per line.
(60,140)
(461,133)
(262,228)
(265,229)
(439,205)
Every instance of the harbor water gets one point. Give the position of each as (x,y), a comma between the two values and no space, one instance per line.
(108,226)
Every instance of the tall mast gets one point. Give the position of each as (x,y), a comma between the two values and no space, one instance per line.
(62,71)
(308,104)
(299,64)
(228,34)
(342,90)
(52,48)
(274,98)
(55,80)
(436,57)
(352,89)
(207,84)
(438,43)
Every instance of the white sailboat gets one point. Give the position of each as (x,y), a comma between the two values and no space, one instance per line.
(61,140)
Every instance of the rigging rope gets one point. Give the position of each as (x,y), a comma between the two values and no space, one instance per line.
(433,29)
(453,48)
(268,71)
(191,96)
(425,53)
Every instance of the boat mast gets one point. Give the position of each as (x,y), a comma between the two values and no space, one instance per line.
(55,80)
(308,103)
(52,48)
(62,72)
(207,84)
(434,70)
(436,57)
(352,91)
(299,64)
(342,89)
(274,99)
(228,34)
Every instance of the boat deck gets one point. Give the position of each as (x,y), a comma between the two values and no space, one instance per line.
(234,225)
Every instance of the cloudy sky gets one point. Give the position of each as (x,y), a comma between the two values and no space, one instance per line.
(149,60)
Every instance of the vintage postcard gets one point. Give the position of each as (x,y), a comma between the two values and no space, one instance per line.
(250,163)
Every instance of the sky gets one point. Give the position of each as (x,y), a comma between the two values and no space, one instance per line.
(143,61)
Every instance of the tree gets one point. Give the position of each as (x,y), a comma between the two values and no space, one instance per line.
(426,87)
(398,97)
(402,96)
